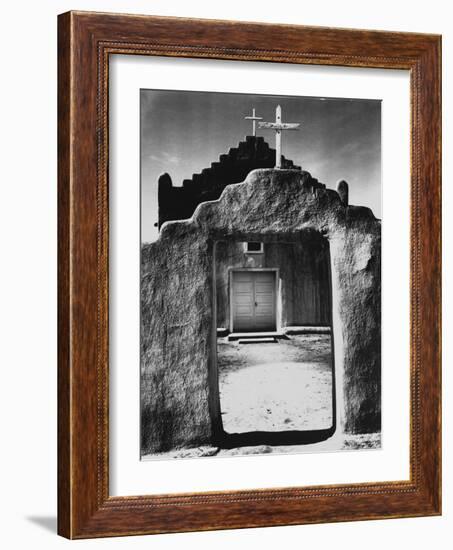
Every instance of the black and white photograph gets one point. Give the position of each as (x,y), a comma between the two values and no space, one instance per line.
(260,274)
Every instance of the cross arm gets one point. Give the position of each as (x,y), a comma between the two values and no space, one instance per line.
(279,126)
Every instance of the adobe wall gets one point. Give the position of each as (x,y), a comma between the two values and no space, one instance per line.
(303,277)
(179,388)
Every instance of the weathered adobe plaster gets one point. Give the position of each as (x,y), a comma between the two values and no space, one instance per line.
(179,387)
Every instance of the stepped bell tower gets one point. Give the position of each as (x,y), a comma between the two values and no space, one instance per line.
(179,203)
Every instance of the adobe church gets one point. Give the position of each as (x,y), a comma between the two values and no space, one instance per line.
(255,245)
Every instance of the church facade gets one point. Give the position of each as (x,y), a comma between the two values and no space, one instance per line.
(272,284)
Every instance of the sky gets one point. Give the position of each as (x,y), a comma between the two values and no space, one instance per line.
(182,132)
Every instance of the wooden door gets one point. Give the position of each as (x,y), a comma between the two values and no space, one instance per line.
(253,301)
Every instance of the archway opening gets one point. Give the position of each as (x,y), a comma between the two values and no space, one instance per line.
(274,340)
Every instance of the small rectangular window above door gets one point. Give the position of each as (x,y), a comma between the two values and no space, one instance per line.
(254,247)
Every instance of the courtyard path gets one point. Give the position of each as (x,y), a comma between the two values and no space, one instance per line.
(276,387)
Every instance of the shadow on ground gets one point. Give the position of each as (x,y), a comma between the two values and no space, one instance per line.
(275,439)
(48,523)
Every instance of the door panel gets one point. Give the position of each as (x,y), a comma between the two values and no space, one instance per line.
(243,303)
(253,301)
(264,286)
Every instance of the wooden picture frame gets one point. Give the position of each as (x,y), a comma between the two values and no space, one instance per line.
(85,42)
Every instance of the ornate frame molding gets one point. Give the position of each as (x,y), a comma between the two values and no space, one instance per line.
(85,41)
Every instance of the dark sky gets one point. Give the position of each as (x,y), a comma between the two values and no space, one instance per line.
(183,132)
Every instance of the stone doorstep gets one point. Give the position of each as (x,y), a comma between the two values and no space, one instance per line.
(257,341)
(252,335)
(283,332)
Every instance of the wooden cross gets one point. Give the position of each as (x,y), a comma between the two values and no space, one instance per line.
(278,126)
(253,118)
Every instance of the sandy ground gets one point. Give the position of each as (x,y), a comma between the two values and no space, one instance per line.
(343,443)
(276,386)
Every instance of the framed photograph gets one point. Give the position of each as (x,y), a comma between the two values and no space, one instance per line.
(249,275)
